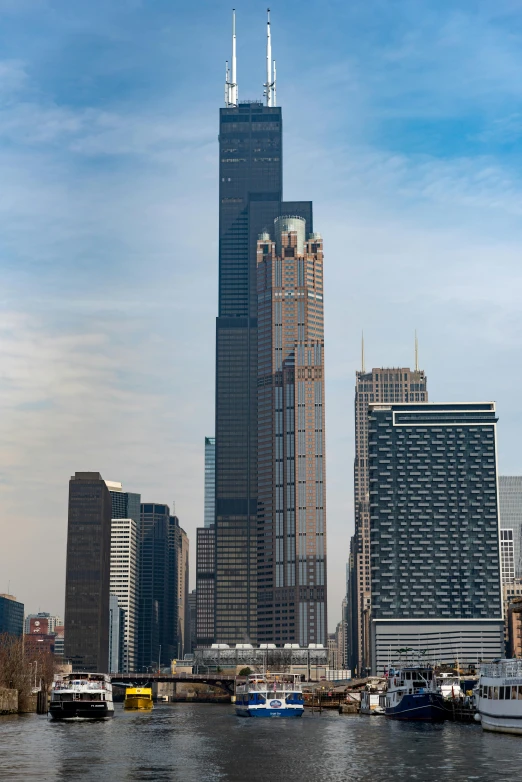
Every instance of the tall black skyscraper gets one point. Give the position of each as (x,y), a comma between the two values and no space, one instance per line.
(250,198)
(88,573)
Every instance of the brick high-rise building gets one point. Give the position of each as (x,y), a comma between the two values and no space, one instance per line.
(87,577)
(391,384)
(291,449)
(250,198)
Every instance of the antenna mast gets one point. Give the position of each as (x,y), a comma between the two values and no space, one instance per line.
(270,85)
(230,76)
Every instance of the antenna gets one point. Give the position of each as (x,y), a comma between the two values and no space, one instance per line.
(362,351)
(416,352)
(270,85)
(230,76)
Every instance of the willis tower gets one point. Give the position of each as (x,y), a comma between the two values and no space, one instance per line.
(250,200)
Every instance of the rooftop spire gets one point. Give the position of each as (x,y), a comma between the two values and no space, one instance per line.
(231,77)
(270,85)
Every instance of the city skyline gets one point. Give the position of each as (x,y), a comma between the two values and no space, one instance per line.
(98,375)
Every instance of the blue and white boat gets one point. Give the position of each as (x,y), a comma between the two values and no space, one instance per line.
(412,694)
(270,695)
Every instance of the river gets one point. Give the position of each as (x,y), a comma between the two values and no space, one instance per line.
(207,743)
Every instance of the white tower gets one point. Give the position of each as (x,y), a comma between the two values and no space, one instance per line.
(270,85)
(231,77)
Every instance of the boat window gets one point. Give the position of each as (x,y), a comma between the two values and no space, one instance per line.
(501,693)
(495,693)
(514,693)
(519,696)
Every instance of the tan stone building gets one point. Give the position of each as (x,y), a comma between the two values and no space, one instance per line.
(291,446)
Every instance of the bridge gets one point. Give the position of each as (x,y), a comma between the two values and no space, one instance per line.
(141,679)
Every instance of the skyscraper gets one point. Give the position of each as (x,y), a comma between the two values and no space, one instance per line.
(205,581)
(87,578)
(291,463)
(435,582)
(183,593)
(250,198)
(11,615)
(125,504)
(210,481)
(124,585)
(157,633)
(510,502)
(392,384)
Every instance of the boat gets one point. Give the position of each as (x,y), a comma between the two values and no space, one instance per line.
(138,699)
(81,696)
(411,694)
(371,697)
(449,685)
(270,695)
(498,696)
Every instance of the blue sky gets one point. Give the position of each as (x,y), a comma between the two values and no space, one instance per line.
(403,123)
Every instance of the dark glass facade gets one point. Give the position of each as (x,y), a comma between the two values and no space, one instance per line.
(158,619)
(250,198)
(434,528)
(126,505)
(11,616)
(87,584)
(205,577)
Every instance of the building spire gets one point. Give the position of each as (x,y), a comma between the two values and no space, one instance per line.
(270,85)
(416,352)
(230,75)
(362,352)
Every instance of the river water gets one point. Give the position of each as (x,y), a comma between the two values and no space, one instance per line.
(207,742)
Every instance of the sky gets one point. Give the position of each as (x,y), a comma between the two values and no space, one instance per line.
(403,124)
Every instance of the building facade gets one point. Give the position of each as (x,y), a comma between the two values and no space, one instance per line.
(434,527)
(124,584)
(205,580)
(125,504)
(183,594)
(87,580)
(41,623)
(210,481)
(393,385)
(115,634)
(158,600)
(291,565)
(510,502)
(192,606)
(250,198)
(11,615)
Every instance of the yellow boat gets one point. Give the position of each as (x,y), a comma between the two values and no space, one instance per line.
(138,699)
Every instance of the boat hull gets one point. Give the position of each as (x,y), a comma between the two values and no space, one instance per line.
(501,724)
(428,707)
(138,704)
(78,710)
(287,713)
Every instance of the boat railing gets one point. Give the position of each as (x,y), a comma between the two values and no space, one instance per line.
(502,670)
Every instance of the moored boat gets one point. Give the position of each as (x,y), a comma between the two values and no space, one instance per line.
(411,694)
(138,699)
(498,697)
(270,695)
(371,697)
(81,696)
(449,685)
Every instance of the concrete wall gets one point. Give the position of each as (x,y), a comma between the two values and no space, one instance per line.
(8,701)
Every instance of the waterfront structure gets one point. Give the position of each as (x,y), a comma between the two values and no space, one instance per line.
(310,661)
(88,573)
(510,504)
(124,584)
(11,615)
(183,593)
(205,580)
(291,590)
(435,584)
(210,481)
(387,385)
(250,198)
(157,631)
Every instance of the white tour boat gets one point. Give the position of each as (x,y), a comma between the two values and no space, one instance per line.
(370,697)
(270,695)
(81,696)
(498,696)
(449,685)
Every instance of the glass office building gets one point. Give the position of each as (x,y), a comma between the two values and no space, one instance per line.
(435,583)
(11,615)
(210,481)
(510,498)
